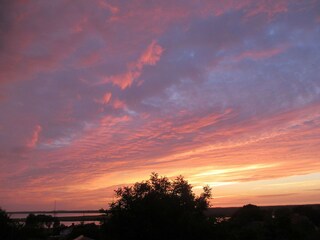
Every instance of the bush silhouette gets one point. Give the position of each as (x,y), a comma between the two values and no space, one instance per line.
(8,228)
(5,225)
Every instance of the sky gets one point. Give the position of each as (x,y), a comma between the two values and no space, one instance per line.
(98,94)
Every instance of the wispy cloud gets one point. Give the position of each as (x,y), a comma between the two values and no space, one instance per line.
(226,93)
(149,57)
(35,137)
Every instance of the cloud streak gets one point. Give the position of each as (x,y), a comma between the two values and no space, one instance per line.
(224,93)
(35,137)
(149,57)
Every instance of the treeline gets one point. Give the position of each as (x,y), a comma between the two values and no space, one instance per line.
(160,208)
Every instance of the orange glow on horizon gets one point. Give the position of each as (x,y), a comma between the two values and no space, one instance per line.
(225,93)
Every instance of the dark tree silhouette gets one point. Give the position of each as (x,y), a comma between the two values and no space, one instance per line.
(9,229)
(39,226)
(250,222)
(40,221)
(158,209)
(5,225)
(248,214)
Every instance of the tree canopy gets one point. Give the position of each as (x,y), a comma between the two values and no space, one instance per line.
(158,209)
(41,221)
(5,224)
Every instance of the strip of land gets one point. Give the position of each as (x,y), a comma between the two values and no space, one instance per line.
(213,212)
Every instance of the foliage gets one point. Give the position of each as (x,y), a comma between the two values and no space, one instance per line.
(41,221)
(158,209)
(8,228)
(282,223)
(248,214)
(5,225)
(89,230)
(39,226)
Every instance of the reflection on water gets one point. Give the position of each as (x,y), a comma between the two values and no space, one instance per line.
(24,215)
(66,223)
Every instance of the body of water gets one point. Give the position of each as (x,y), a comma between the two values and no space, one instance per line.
(66,218)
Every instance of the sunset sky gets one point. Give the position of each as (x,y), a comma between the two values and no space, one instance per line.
(98,94)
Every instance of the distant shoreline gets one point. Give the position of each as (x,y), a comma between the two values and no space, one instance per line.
(214,212)
(212,208)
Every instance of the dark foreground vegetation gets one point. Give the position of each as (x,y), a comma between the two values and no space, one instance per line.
(162,209)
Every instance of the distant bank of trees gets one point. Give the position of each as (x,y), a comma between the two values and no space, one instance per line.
(7,227)
(35,227)
(159,208)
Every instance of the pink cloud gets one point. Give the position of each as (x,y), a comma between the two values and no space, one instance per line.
(103,4)
(260,54)
(79,27)
(181,112)
(123,80)
(149,57)
(107,97)
(270,8)
(90,59)
(118,104)
(200,123)
(35,137)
